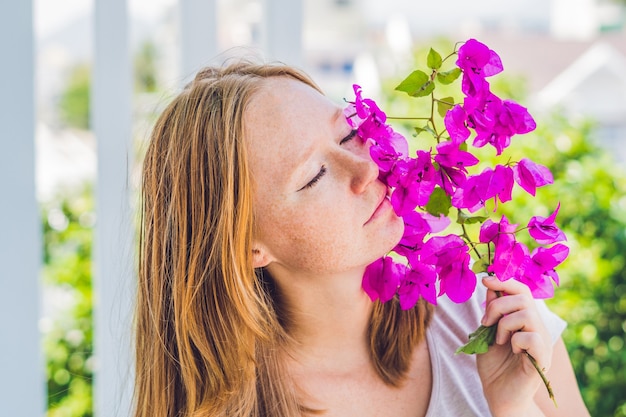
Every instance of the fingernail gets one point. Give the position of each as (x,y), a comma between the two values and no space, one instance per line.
(490,277)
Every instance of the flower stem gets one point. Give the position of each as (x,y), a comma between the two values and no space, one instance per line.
(469,241)
(543,376)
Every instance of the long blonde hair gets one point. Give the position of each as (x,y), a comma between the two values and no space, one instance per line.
(209,329)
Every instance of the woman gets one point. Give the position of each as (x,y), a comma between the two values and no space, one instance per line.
(261,210)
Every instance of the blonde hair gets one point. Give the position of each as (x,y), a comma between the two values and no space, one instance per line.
(209,331)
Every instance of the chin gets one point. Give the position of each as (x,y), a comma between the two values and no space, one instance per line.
(392,234)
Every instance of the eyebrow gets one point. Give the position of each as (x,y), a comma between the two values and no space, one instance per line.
(338,114)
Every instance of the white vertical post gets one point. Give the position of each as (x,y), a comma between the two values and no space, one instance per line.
(282,31)
(113,266)
(22,379)
(198,35)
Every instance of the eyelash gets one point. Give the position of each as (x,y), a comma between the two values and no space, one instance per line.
(315,178)
(322,171)
(349,137)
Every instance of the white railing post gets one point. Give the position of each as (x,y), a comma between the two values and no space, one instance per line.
(198,35)
(282,31)
(22,380)
(113,261)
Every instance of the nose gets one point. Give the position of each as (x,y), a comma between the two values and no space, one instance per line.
(362,170)
(369,175)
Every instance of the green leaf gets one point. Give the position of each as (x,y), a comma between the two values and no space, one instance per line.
(426,89)
(480,266)
(419,130)
(444,104)
(430,130)
(463,218)
(479,340)
(448,77)
(439,202)
(417,84)
(475,219)
(434,59)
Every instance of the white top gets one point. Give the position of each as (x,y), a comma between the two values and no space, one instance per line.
(456,387)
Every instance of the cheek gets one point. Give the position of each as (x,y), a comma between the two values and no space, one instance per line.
(311,237)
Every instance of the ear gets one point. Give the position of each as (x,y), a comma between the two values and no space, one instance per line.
(260,256)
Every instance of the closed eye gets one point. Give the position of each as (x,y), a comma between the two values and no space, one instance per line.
(348,138)
(322,170)
(315,179)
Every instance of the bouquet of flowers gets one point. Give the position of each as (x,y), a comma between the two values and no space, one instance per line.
(434,187)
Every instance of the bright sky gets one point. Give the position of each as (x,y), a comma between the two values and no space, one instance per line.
(53,14)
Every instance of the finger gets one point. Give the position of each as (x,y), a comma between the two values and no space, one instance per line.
(520,321)
(500,307)
(534,345)
(491,295)
(510,286)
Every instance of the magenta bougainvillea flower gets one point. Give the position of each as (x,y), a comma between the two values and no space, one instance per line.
(449,155)
(457,279)
(512,260)
(530,175)
(491,183)
(508,258)
(417,226)
(443,250)
(418,281)
(497,233)
(456,124)
(494,120)
(424,188)
(385,156)
(381,279)
(544,230)
(477,61)
(538,271)
(452,163)
(547,259)
(508,118)
(414,182)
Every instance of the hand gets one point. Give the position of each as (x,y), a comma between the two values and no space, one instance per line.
(508,376)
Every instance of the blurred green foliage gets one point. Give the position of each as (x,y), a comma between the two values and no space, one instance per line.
(591,188)
(592,298)
(68,340)
(145,68)
(74,105)
(68,221)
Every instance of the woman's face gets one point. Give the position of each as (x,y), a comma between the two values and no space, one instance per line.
(319,205)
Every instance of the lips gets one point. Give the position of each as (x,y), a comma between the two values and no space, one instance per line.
(381,207)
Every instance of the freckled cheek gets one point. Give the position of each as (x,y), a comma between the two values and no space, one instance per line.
(311,237)
(317,226)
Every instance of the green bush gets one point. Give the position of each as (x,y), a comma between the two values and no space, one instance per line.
(68,341)
(592,298)
(74,105)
